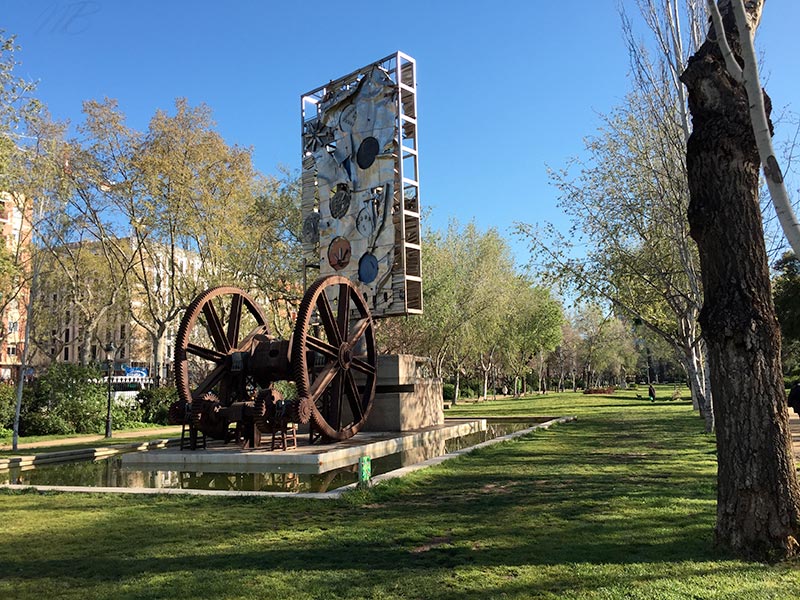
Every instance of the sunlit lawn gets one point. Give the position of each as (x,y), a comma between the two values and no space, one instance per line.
(619,504)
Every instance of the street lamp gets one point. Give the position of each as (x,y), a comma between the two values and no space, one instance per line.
(111,350)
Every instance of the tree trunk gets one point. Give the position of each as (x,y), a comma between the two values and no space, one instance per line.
(697,385)
(758,499)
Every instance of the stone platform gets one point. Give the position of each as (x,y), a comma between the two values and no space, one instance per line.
(306,458)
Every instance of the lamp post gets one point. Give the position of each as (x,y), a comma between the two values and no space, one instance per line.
(111,350)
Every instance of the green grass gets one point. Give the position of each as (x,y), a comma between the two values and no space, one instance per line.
(619,504)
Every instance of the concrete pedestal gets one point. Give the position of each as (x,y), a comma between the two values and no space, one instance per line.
(406,397)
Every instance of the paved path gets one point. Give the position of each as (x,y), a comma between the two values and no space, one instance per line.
(117,435)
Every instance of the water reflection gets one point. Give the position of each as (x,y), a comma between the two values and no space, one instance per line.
(111,472)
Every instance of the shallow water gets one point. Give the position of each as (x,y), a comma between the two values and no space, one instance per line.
(111,472)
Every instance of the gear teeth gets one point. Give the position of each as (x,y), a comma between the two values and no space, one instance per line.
(302,410)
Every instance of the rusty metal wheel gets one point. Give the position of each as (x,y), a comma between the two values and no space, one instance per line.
(333,357)
(217,332)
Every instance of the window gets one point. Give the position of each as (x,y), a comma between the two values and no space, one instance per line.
(121,352)
(12,350)
(122,332)
(66,354)
(66,335)
(13,326)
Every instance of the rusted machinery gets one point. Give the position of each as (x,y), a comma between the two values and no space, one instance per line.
(360,203)
(226,365)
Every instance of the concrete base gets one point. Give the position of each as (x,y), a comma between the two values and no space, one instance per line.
(306,458)
(406,398)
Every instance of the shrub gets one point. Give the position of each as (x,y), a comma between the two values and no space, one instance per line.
(287,388)
(126,416)
(448,391)
(8,405)
(466,392)
(65,400)
(155,404)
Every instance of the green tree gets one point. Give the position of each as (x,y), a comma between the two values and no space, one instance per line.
(471,287)
(181,199)
(532,327)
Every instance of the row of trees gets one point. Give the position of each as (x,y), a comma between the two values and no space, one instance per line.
(486,321)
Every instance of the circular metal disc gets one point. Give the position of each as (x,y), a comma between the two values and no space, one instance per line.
(367,268)
(340,201)
(367,151)
(310,233)
(339,253)
(364,222)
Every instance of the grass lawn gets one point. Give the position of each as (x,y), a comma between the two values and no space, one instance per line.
(619,504)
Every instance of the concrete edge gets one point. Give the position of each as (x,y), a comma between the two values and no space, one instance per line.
(332,495)
(44,458)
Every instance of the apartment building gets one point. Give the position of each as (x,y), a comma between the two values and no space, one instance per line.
(15,224)
(75,335)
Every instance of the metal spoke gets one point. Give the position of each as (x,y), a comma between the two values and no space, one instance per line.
(353,396)
(359,330)
(328,320)
(362,366)
(343,317)
(210,381)
(323,380)
(215,329)
(323,347)
(234,320)
(206,353)
(335,409)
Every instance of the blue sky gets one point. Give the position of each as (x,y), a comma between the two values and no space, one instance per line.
(505,88)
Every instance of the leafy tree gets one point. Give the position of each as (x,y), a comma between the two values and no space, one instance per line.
(180,198)
(532,327)
(16,101)
(474,300)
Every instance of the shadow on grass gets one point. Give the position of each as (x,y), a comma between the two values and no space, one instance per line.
(627,496)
